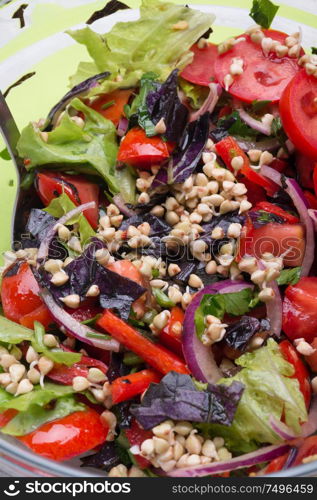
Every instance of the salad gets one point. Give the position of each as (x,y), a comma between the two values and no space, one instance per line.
(159,310)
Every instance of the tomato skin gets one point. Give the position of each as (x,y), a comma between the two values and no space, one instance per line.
(141,151)
(276,465)
(136,435)
(311,200)
(315,178)
(201,70)
(171,338)
(155,355)
(49,185)
(276,239)
(67,437)
(6,416)
(263,78)
(19,292)
(125,388)
(298,112)
(307,449)
(40,314)
(275,209)
(301,372)
(299,310)
(305,170)
(114,112)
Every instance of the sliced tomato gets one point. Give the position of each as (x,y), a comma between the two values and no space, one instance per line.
(40,314)
(171,335)
(299,310)
(141,151)
(276,239)
(49,185)
(305,170)
(301,372)
(67,437)
(246,239)
(298,110)
(264,77)
(19,292)
(201,70)
(307,449)
(276,465)
(279,165)
(276,210)
(315,178)
(312,359)
(136,435)
(228,149)
(113,112)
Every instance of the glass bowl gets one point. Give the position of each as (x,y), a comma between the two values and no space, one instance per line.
(46,51)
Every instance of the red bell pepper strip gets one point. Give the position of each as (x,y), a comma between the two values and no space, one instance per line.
(6,416)
(141,151)
(228,149)
(124,388)
(274,209)
(40,314)
(156,356)
(171,335)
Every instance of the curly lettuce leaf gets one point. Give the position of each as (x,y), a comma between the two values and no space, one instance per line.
(269,390)
(196,94)
(61,206)
(28,421)
(13,333)
(149,42)
(39,396)
(56,355)
(91,149)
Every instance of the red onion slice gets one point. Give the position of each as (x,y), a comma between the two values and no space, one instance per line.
(118,201)
(313,215)
(281,429)
(210,102)
(122,126)
(44,247)
(253,123)
(300,203)
(73,327)
(274,308)
(199,358)
(256,457)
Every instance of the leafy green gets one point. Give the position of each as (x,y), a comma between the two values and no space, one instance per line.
(278,131)
(147,84)
(28,421)
(126,180)
(5,155)
(236,304)
(259,105)
(161,298)
(269,391)
(263,12)
(314,50)
(238,128)
(289,276)
(196,94)
(132,47)
(63,204)
(13,333)
(91,149)
(39,396)
(56,355)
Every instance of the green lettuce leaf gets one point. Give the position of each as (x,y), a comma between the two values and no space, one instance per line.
(236,304)
(289,276)
(63,204)
(263,12)
(28,421)
(269,390)
(196,94)
(13,333)
(91,149)
(38,396)
(150,42)
(56,355)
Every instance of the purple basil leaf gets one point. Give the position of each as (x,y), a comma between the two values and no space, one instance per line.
(176,397)
(79,89)
(165,103)
(158,226)
(110,8)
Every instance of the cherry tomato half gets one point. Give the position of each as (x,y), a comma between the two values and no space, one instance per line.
(264,77)
(299,310)
(141,151)
(298,110)
(301,372)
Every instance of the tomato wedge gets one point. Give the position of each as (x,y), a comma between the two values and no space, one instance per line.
(299,310)
(67,437)
(298,110)
(49,185)
(19,292)
(201,70)
(307,449)
(141,151)
(263,77)
(301,372)
(111,106)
